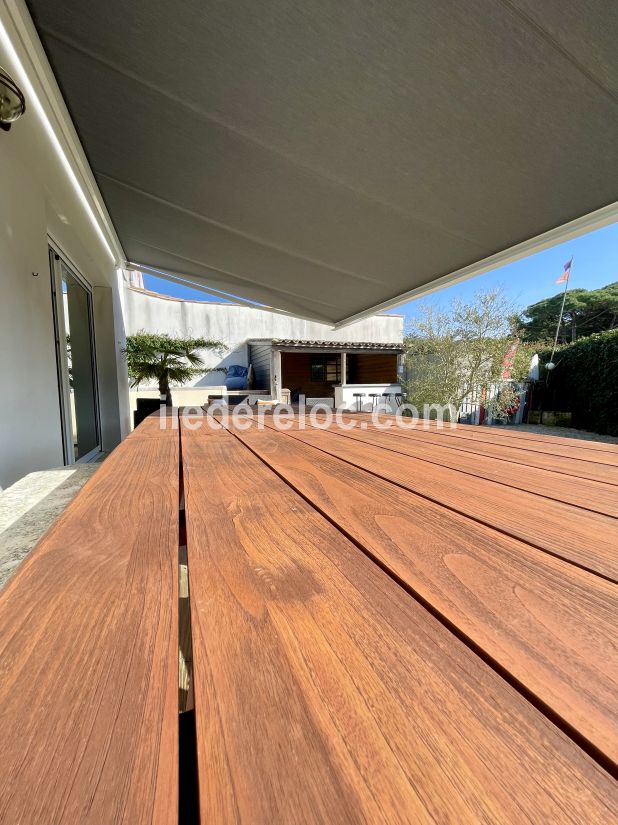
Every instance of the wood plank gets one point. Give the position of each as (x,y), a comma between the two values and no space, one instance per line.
(576,463)
(514,434)
(552,626)
(371,368)
(89,653)
(581,492)
(587,539)
(324,693)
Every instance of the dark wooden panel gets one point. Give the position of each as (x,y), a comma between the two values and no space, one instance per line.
(588,539)
(372,368)
(89,652)
(552,626)
(324,693)
(296,375)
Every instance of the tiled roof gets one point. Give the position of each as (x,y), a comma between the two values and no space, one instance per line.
(339,345)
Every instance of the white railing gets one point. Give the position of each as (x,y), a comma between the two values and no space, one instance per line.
(477,406)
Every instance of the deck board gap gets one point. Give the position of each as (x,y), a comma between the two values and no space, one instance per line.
(349,435)
(188,785)
(558,721)
(459,512)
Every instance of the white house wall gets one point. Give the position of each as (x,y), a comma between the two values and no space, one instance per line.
(30,435)
(235,325)
(38,201)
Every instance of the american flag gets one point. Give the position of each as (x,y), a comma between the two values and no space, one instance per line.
(567,271)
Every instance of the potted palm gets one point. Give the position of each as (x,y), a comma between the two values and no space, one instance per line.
(166,360)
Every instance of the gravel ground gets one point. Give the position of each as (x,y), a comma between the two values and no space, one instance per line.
(565,432)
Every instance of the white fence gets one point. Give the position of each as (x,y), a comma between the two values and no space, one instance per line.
(478,404)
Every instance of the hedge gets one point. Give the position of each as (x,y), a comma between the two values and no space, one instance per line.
(584,382)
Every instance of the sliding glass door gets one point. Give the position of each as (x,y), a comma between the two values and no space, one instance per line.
(77,381)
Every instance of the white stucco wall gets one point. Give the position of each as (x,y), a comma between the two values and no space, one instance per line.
(38,200)
(30,436)
(234,325)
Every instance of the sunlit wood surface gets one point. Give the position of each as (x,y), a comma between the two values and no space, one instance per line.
(402,626)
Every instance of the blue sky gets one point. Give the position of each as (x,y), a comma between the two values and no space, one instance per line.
(595,264)
(164,287)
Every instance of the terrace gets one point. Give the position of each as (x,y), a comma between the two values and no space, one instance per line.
(385,625)
(317,624)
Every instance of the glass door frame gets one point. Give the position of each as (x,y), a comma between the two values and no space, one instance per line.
(57,259)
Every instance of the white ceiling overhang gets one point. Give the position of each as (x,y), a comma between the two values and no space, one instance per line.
(330,158)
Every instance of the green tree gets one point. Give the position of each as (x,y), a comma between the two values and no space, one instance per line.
(586,311)
(167,360)
(451,353)
(584,382)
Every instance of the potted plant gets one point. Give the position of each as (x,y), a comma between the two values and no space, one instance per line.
(166,360)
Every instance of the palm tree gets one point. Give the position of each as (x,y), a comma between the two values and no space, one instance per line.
(167,360)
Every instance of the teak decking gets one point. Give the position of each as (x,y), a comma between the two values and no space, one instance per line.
(387,627)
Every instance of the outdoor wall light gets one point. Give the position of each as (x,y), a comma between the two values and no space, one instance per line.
(12,101)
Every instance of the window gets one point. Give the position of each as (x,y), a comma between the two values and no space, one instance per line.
(72,307)
(325,369)
(318,370)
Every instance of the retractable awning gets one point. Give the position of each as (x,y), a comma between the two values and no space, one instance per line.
(326,158)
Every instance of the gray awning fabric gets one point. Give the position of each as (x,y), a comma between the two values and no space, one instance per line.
(324,157)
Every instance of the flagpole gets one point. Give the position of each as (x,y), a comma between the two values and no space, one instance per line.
(566,286)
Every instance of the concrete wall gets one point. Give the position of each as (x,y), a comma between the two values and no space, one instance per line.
(30,435)
(38,201)
(234,325)
(113,388)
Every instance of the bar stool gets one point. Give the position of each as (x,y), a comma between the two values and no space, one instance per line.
(388,398)
(359,403)
(374,400)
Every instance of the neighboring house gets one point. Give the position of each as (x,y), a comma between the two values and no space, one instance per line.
(287,353)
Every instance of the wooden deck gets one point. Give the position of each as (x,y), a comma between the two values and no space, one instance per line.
(387,627)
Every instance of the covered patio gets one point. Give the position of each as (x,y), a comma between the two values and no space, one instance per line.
(322,623)
(342,374)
